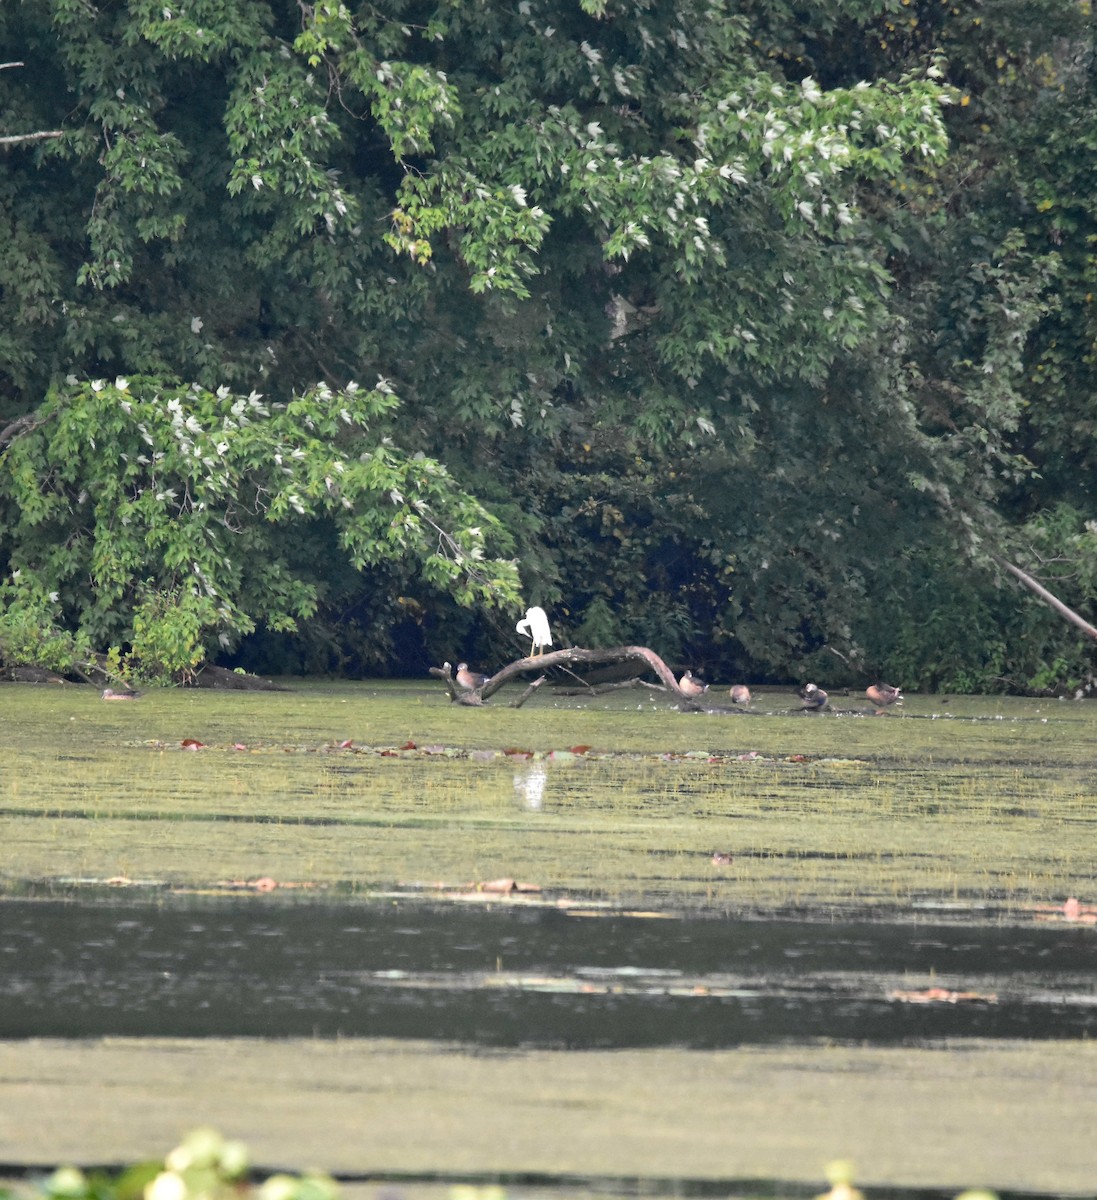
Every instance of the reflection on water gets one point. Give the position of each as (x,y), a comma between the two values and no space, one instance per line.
(530,785)
(506,976)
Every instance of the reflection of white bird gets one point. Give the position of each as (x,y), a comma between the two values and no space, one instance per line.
(536,628)
(530,786)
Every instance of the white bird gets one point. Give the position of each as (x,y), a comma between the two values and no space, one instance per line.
(535,626)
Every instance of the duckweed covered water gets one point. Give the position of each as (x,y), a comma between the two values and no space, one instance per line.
(863,864)
(985,804)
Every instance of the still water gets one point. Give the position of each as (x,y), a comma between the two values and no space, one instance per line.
(541,977)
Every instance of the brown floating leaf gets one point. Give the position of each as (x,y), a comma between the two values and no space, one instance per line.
(940,995)
(1072,910)
(1075,910)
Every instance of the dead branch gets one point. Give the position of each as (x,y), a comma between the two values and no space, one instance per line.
(567,658)
(20,425)
(1053,601)
(456,694)
(221,678)
(13,139)
(598,689)
(528,692)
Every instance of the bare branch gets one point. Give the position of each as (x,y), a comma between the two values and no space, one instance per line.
(1041,591)
(20,425)
(556,658)
(16,138)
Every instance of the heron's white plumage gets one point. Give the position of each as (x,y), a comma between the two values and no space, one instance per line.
(535,626)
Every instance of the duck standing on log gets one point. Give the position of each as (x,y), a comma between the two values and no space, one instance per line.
(690,685)
(469,680)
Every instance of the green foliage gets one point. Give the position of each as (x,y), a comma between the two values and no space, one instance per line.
(152,514)
(169,633)
(975,632)
(30,632)
(811,285)
(204,1166)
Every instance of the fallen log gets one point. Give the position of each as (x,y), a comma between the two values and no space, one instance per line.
(644,659)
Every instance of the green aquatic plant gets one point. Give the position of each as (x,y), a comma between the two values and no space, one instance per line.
(204,1166)
(207,1166)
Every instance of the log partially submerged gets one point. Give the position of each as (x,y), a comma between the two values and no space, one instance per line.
(644,659)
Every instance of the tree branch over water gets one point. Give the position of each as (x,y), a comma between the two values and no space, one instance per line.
(1053,601)
(645,659)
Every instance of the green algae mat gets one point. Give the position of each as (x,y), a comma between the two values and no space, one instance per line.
(969,810)
(657,1122)
(980,803)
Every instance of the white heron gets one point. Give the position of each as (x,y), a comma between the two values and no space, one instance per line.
(535,626)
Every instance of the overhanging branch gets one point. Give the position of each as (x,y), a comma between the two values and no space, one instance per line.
(1054,602)
(14,138)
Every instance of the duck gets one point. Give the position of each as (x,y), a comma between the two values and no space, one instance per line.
(814,698)
(470,680)
(119,694)
(690,685)
(740,694)
(883,695)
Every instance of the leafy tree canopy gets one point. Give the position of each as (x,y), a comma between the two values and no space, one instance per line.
(690,299)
